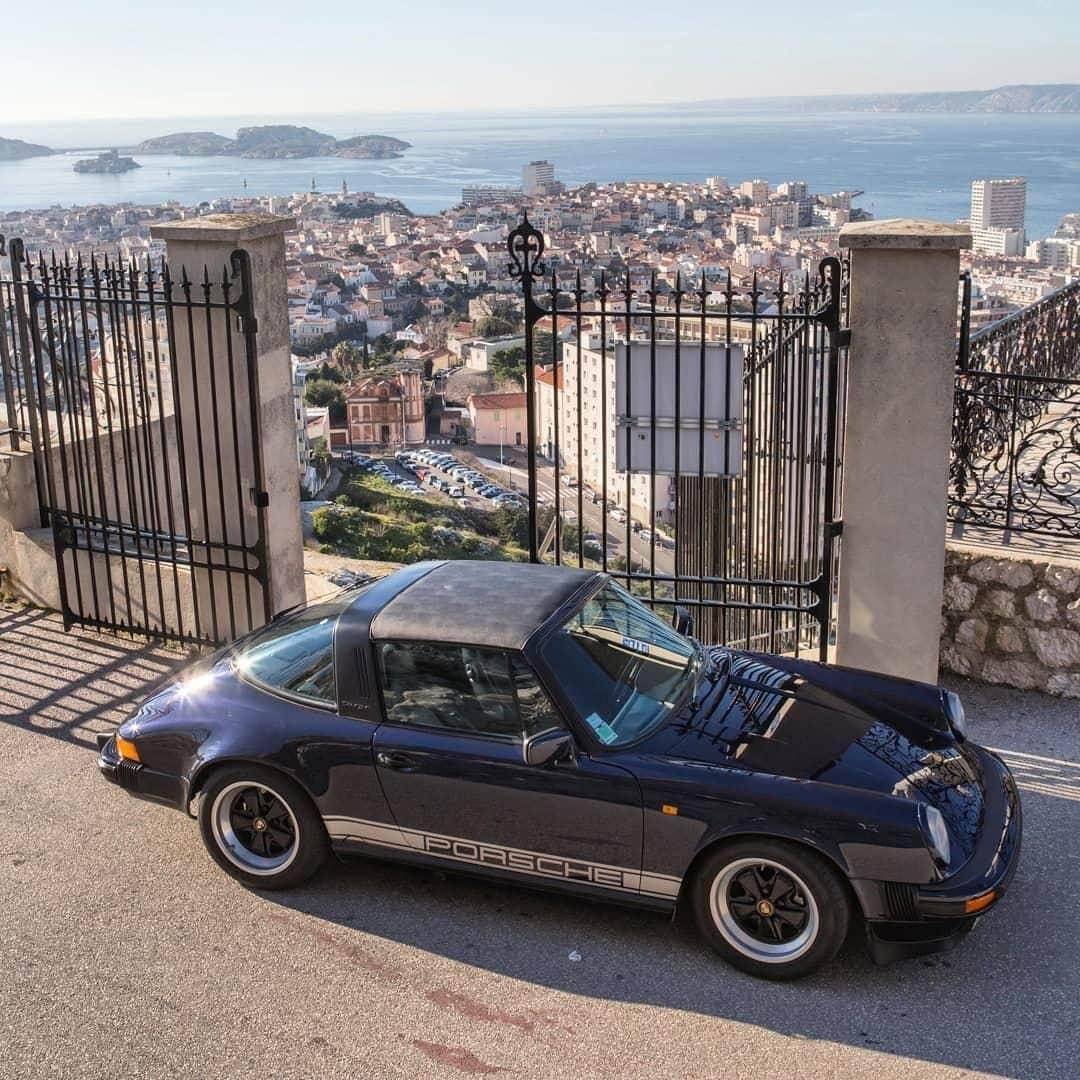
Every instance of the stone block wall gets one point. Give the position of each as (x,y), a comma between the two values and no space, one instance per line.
(1013,621)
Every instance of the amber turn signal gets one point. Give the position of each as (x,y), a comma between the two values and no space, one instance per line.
(126,749)
(977,903)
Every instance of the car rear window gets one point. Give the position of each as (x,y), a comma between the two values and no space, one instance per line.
(295,655)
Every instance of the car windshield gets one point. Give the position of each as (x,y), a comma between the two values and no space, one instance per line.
(624,669)
(295,654)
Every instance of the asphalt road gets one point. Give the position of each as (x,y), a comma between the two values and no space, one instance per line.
(125,952)
(596,521)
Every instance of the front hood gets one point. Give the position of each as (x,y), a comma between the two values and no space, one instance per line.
(812,722)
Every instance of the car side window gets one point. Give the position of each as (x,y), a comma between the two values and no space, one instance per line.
(295,655)
(537,712)
(449,686)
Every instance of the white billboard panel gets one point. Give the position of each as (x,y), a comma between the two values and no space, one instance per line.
(642,413)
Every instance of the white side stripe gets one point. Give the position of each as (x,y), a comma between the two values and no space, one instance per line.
(495,856)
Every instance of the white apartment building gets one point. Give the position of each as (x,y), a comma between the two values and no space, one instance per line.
(997,215)
(596,442)
(757,191)
(538,178)
(1055,253)
(548,385)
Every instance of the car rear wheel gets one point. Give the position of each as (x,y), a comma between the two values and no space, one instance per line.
(771,909)
(261,828)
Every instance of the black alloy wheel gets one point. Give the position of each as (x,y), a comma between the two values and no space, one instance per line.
(261,827)
(771,908)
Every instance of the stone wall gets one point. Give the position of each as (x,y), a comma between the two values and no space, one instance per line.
(1013,621)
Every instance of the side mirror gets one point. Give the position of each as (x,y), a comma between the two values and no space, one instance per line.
(548,747)
(683,621)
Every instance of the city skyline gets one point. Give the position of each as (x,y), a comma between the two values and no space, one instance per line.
(239,60)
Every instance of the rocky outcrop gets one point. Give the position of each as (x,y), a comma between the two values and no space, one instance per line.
(109,162)
(1014,621)
(274,141)
(185,144)
(17,150)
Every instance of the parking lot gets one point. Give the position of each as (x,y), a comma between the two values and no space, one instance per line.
(435,473)
(126,952)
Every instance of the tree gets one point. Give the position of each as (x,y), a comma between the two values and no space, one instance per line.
(325,392)
(494,326)
(543,347)
(349,358)
(356,250)
(327,373)
(508,364)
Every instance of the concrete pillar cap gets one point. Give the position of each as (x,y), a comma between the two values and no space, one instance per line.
(910,234)
(224,228)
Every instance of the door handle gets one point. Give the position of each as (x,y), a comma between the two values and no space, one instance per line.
(394,760)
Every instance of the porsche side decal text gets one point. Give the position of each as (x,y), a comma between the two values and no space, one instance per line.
(495,856)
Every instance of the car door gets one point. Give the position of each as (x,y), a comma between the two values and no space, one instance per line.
(450,762)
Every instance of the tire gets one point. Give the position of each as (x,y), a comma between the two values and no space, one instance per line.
(286,842)
(771,909)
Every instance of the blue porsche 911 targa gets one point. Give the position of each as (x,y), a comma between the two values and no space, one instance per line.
(540,726)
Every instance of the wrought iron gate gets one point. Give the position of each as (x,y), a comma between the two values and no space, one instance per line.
(685,438)
(138,394)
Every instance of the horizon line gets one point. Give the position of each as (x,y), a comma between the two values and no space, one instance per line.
(670,103)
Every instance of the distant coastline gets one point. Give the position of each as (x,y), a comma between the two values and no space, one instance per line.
(289,141)
(1044,99)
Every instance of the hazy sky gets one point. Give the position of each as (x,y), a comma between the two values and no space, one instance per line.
(75,59)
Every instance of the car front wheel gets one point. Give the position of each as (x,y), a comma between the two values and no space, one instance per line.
(771,909)
(261,828)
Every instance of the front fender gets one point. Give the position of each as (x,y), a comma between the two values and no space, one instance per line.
(863,834)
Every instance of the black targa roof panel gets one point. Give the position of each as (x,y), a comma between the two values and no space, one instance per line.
(494,604)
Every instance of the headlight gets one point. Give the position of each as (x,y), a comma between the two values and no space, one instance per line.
(954,713)
(936,834)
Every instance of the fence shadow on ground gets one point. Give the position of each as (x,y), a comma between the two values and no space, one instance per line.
(72,684)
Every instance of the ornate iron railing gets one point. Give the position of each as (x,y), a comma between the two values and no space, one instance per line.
(1016,432)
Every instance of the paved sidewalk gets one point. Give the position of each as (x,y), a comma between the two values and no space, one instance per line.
(125,952)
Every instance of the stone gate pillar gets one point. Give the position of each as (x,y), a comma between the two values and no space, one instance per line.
(210,242)
(897,439)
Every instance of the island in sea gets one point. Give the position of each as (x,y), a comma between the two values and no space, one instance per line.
(108,162)
(17,150)
(274,141)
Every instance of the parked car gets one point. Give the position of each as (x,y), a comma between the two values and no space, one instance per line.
(619,515)
(456,492)
(645,534)
(345,578)
(539,725)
